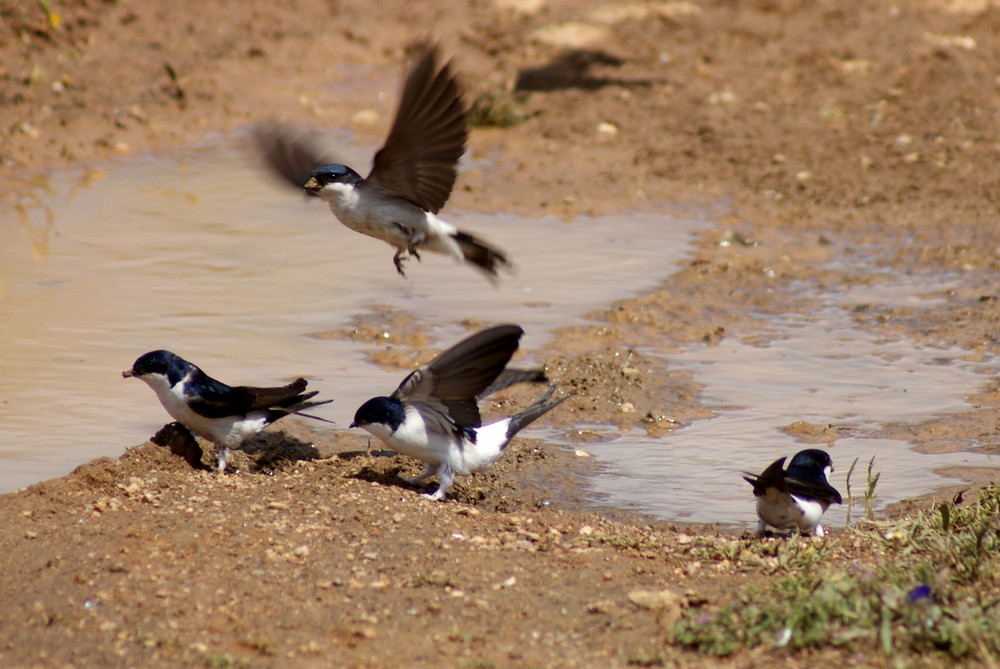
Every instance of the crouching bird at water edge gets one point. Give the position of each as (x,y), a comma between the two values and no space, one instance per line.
(433,415)
(795,498)
(411,178)
(225,415)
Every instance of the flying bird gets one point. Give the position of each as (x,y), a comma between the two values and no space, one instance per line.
(795,498)
(411,178)
(225,415)
(433,415)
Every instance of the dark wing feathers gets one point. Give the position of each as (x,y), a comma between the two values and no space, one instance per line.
(467,368)
(451,382)
(775,477)
(293,153)
(509,377)
(818,490)
(218,400)
(772,477)
(438,418)
(418,161)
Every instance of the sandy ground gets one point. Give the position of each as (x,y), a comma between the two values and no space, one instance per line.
(825,128)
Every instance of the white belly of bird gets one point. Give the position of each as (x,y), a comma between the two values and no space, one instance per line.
(228,431)
(412,438)
(788,512)
(399,224)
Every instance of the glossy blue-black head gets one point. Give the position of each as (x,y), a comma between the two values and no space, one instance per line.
(165,363)
(811,461)
(384,410)
(328,174)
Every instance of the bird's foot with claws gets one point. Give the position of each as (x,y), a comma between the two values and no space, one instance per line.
(397,260)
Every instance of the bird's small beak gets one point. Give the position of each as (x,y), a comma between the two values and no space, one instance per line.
(312,185)
(353,424)
(127,374)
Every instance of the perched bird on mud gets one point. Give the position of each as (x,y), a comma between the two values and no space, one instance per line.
(411,178)
(795,498)
(225,415)
(433,415)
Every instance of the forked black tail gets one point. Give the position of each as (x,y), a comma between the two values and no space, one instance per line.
(481,254)
(541,406)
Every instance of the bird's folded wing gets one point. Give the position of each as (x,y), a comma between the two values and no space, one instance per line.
(419,159)
(218,400)
(772,477)
(293,152)
(818,490)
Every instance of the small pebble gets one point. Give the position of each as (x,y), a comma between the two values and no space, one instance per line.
(609,129)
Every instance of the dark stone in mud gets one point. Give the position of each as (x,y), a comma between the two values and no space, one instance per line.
(181,443)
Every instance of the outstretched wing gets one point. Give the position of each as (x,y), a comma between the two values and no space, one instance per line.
(293,152)
(418,161)
(450,383)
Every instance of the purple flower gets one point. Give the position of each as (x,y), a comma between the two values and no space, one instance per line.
(922,591)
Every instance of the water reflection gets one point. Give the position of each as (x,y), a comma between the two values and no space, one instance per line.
(202,255)
(818,368)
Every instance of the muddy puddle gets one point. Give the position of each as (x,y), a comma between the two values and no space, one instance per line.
(201,253)
(804,381)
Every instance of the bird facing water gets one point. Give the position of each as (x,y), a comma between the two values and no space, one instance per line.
(795,498)
(225,415)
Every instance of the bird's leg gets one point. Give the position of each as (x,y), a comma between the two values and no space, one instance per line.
(445,479)
(398,261)
(416,238)
(422,476)
(223,458)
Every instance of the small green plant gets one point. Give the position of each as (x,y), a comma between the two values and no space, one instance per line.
(657,659)
(437,579)
(849,496)
(459,635)
(262,646)
(870,489)
(496,110)
(926,588)
(222,661)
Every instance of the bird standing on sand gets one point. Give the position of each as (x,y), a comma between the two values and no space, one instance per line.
(412,175)
(433,415)
(225,415)
(795,498)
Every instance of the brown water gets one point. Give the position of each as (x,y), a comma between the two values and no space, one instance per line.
(819,368)
(203,255)
(200,253)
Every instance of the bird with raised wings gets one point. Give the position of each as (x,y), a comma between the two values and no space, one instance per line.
(411,178)
(433,415)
